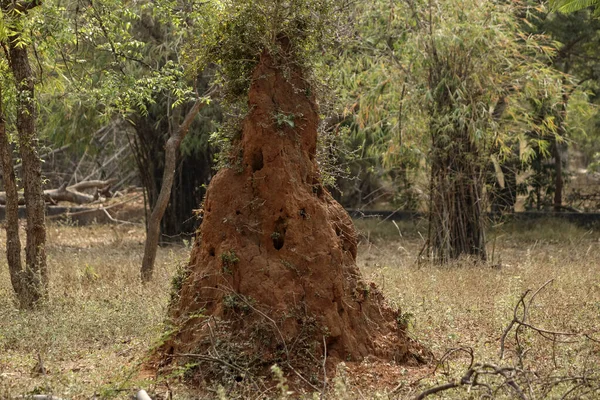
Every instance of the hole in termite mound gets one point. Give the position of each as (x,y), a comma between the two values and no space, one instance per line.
(278,235)
(257,161)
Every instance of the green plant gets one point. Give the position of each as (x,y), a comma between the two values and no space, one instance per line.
(405,320)
(284,392)
(282,119)
(570,6)
(90,274)
(180,275)
(233,35)
(234,302)
(229,259)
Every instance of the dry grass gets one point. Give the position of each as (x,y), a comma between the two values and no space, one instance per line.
(470,305)
(100,322)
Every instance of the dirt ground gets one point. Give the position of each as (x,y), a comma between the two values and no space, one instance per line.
(100,322)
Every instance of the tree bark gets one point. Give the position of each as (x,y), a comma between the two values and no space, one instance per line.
(558,162)
(558,181)
(13,242)
(193,172)
(35,248)
(153,232)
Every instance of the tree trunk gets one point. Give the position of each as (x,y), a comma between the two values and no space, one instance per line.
(35,248)
(193,171)
(558,180)
(558,162)
(503,197)
(456,219)
(13,242)
(153,231)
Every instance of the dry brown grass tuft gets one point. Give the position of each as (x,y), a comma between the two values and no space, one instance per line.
(100,322)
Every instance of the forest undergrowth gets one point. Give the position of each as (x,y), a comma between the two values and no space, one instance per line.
(99,324)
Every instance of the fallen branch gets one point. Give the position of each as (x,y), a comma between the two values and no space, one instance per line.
(324,366)
(214,360)
(518,380)
(53,196)
(93,184)
(72,194)
(95,209)
(521,322)
(117,221)
(437,389)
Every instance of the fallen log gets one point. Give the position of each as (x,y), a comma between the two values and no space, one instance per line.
(93,184)
(72,194)
(65,194)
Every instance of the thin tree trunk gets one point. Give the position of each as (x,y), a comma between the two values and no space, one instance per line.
(13,242)
(35,248)
(559,178)
(559,181)
(153,232)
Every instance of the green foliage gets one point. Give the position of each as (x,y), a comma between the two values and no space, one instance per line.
(227,135)
(564,115)
(405,320)
(108,59)
(484,67)
(113,58)
(15,26)
(179,277)
(229,259)
(282,386)
(236,303)
(233,34)
(275,235)
(119,64)
(570,6)
(595,164)
(283,120)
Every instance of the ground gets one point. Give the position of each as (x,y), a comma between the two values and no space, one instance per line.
(100,323)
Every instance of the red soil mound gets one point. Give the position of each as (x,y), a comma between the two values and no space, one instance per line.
(272,276)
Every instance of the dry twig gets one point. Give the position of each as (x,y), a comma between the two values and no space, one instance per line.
(519,381)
